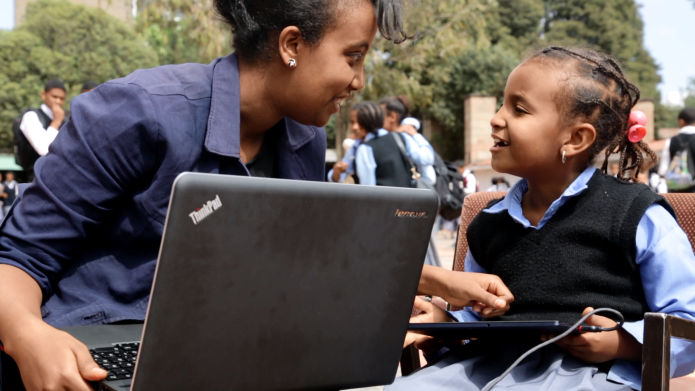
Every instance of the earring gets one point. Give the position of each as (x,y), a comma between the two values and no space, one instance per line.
(292,63)
(564,159)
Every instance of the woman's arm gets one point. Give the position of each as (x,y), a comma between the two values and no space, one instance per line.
(466,289)
(103,151)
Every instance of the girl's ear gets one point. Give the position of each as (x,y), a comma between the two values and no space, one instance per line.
(290,44)
(581,138)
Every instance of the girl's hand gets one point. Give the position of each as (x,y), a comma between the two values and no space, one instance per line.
(601,347)
(430,314)
(338,169)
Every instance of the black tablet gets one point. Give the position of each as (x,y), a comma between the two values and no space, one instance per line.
(467,330)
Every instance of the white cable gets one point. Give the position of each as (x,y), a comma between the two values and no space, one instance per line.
(559,337)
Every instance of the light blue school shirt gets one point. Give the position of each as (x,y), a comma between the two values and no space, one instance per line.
(419,149)
(666,264)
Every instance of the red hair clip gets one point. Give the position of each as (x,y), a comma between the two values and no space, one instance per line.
(637,130)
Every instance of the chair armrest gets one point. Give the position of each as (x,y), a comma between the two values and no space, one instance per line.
(656,351)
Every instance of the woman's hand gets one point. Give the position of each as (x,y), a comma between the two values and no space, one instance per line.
(50,359)
(338,169)
(486,292)
(601,347)
(410,129)
(430,314)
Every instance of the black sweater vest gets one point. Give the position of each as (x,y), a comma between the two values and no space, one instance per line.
(584,256)
(391,167)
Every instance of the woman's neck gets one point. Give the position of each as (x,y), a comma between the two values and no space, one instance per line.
(258,111)
(542,192)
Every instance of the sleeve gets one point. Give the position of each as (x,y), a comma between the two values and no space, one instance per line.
(667,268)
(365,165)
(102,155)
(419,149)
(665,157)
(38,137)
(414,122)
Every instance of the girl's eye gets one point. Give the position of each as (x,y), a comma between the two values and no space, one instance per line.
(520,110)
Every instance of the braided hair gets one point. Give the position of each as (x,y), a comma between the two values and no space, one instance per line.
(370,116)
(599,93)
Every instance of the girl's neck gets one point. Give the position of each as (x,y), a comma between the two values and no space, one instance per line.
(542,192)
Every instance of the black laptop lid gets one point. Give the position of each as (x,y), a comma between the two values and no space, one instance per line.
(278,285)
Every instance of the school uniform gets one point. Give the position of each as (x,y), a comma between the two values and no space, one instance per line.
(88,229)
(644,263)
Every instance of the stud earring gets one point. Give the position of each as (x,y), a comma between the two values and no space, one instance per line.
(292,63)
(564,159)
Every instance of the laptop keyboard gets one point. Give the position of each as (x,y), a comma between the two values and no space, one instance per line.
(118,359)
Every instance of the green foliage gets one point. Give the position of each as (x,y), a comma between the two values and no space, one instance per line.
(66,41)
(690,99)
(466,47)
(183,30)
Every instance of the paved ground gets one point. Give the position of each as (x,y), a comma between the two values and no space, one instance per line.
(445,247)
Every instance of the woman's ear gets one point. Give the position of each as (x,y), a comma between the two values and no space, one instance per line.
(290,43)
(581,138)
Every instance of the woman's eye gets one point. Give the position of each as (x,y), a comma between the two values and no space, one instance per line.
(356,56)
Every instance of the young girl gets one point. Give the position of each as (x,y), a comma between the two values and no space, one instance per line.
(378,159)
(569,238)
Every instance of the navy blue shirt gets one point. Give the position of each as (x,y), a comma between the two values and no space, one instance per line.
(88,229)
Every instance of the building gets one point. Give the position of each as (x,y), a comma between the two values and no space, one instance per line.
(121,9)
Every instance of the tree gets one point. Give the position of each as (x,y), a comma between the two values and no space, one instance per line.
(67,41)
(183,30)
(690,98)
(470,47)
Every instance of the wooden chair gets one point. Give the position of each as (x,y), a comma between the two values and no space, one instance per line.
(659,328)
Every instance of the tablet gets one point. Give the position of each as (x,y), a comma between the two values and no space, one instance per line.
(467,330)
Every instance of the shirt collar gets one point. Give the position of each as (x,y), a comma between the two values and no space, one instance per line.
(512,201)
(224,120)
(690,129)
(47,110)
(380,133)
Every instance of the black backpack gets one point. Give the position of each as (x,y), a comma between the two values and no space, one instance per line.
(449,188)
(24,154)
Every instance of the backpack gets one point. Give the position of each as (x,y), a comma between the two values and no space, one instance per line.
(449,188)
(681,169)
(24,154)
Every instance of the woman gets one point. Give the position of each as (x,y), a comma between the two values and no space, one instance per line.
(81,246)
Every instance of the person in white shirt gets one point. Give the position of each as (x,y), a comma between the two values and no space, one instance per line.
(40,127)
(686,122)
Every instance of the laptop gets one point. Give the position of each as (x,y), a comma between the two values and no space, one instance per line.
(267,284)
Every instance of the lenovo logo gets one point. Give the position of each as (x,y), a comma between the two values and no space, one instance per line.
(206,210)
(410,215)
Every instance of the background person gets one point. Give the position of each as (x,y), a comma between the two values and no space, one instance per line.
(676,146)
(88,86)
(396,110)
(9,191)
(97,209)
(40,127)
